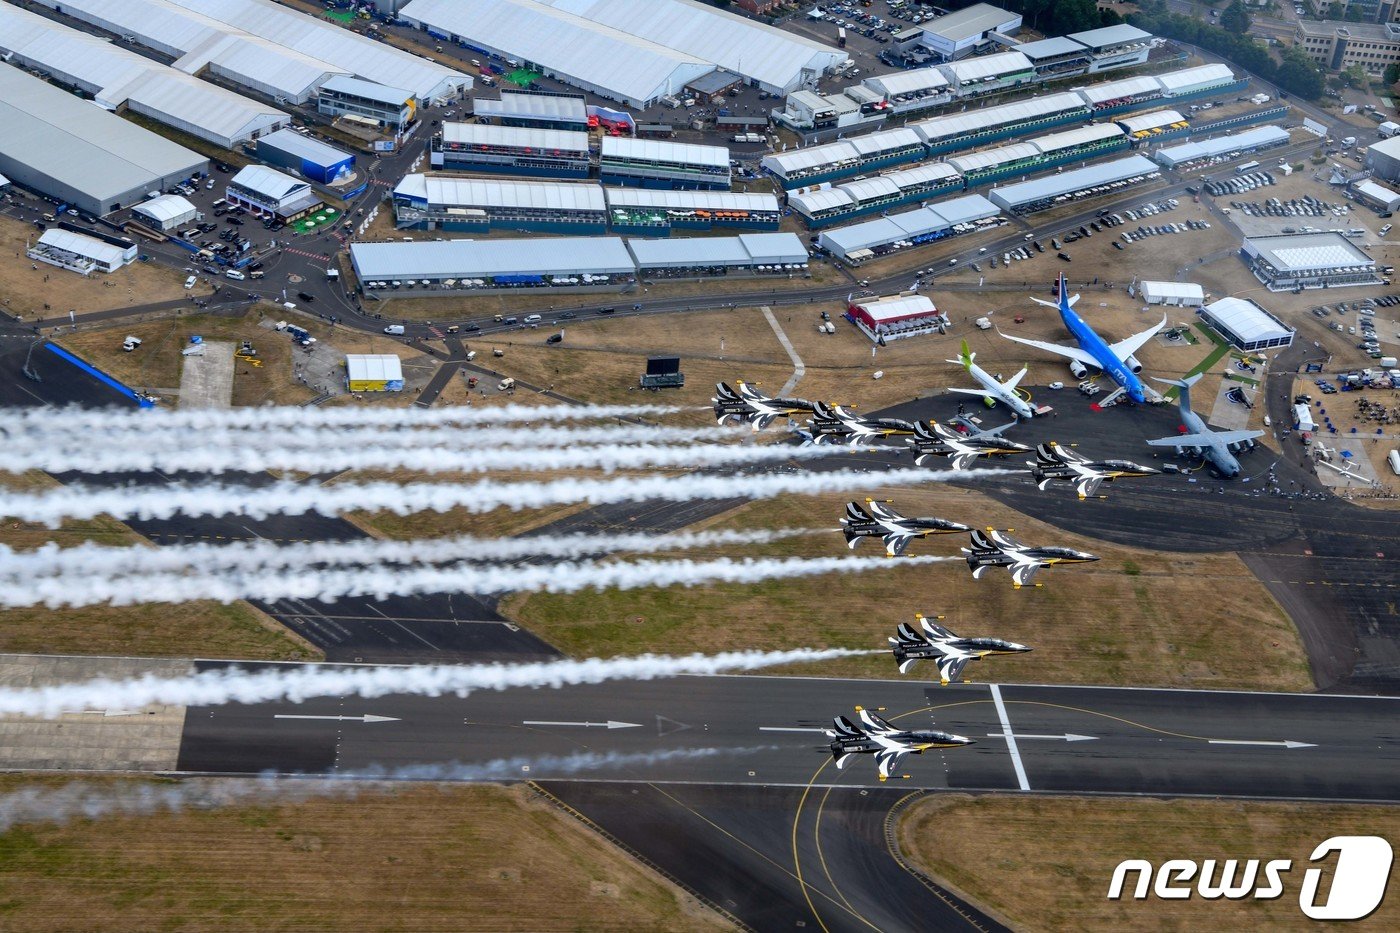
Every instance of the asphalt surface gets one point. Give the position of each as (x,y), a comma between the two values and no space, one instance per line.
(765,731)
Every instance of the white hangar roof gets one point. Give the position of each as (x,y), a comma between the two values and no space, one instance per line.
(369,90)
(464,258)
(652,150)
(691,200)
(990,158)
(738,45)
(1246,320)
(82,146)
(493,192)
(1113,90)
(486,134)
(373,367)
(988,66)
(532,106)
(1189,79)
(82,245)
(1186,291)
(1308,252)
(115,75)
(1079,136)
(166,208)
(572,47)
(1150,121)
(907,82)
(266,181)
(973,121)
(179,27)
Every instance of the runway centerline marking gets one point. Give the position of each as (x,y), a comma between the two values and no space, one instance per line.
(1010,737)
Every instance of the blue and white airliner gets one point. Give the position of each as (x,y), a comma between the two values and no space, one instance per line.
(1117,359)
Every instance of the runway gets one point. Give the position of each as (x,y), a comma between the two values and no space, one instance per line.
(765,731)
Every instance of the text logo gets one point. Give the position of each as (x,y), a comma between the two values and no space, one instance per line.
(1357,889)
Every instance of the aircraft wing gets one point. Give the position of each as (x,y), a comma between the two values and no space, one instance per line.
(1193,440)
(1074,353)
(1011,384)
(1127,347)
(1088,485)
(1234,437)
(982,393)
(896,542)
(950,669)
(888,759)
(1022,573)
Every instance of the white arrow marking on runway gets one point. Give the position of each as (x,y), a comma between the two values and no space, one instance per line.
(1288,744)
(365,718)
(790,729)
(610,724)
(104,712)
(1066,737)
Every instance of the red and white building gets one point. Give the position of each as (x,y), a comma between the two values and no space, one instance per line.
(896,317)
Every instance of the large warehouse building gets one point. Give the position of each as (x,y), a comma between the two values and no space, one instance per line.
(309,158)
(441,202)
(1383,158)
(631,52)
(959,33)
(1047,191)
(1308,260)
(77,154)
(654,212)
(706,257)
(116,77)
(586,55)
(1251,140)
(858,243)
(511,150)
(1245,325)
(432,267)
(649,163)
(263,45)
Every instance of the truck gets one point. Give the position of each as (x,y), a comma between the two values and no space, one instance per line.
(1388,362)
(841,37)
(1302,418)
(1348,142)
(395,330)
(1393,458)
(983,323)
(1388,129)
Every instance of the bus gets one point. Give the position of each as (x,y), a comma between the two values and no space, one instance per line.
(1246,167)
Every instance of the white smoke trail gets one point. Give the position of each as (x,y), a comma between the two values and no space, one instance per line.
(51,507)
(259,556)
(255,456)
(299,683)
(81,420)
(109,451)
(328,585)
(92,801)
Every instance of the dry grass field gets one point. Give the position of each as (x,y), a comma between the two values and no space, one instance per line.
(406,857)
(198,629)
(25,291)
(1143,629)
(1045,863)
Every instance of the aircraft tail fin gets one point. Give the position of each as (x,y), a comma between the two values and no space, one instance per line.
(1184,399)
(965,357)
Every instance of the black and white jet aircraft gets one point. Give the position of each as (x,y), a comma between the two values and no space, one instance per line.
(992,548)
(936,643)
(1056,462)
(932,439)
(877,737)
(878,520)
(836,424)
(748,404)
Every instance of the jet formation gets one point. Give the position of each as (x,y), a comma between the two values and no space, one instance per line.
(992,548)
(932,642)
(748,404)
(877,737)
(838,424)
(878,520)
(932,439)
(1055,462)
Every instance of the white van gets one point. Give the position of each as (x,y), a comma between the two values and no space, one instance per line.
(235,275)
(394,329)
(189,282)
(505,385)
